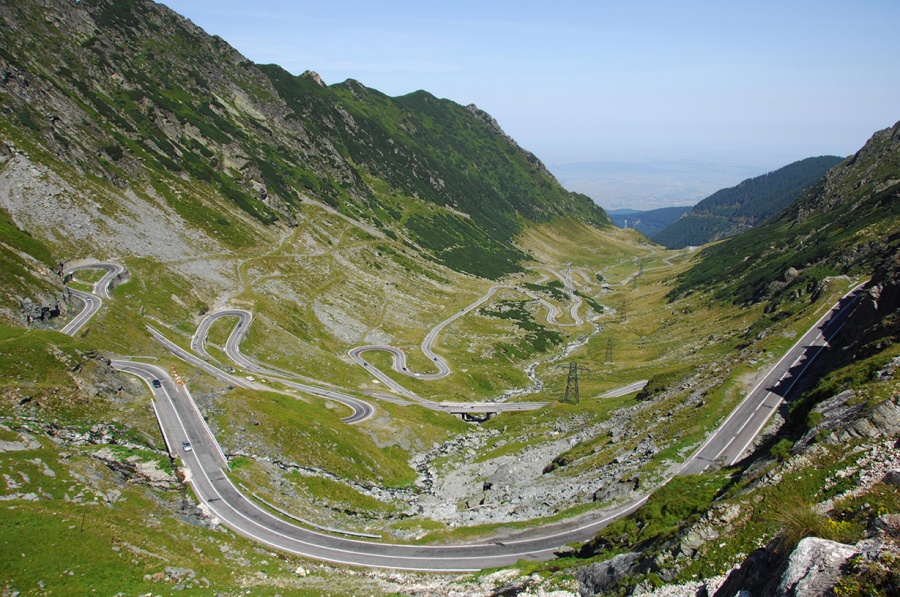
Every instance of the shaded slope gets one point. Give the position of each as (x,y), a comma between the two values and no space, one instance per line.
(649,222)
(729,211)
(846,224)
(30,287)
(436,150)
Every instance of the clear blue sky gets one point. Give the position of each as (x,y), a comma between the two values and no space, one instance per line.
(766,82)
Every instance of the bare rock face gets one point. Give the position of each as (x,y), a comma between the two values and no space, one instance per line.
(889,524)
(136,470)
(814,568)
(892,478)
(617,491)
(597,578)
(844,421)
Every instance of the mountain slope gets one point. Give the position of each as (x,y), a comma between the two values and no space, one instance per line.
(30,285)
(209,199)
(845,224)
(729,211)
(135,95)
(649,222)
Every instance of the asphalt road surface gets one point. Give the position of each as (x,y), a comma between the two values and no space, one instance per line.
(399,364)
(102,286)
(399,357)
(92,302)
(361,410)
(729,442)
(631,388)
(181,421)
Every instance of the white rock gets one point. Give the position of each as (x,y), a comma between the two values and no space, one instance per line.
(814,567)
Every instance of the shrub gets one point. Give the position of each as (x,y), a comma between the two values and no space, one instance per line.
(870,578)
(782,450)
(113,151)
(814,418)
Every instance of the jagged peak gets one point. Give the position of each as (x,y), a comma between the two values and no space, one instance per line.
(354,85)
(490,121)
(885,140)
(311,74)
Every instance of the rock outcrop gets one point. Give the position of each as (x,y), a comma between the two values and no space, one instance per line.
(845,418)
(814,568)
(600,576)
(137,470)
(759,574)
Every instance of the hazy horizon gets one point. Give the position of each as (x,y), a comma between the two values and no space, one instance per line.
(651,184)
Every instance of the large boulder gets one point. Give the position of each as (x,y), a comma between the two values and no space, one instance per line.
(616,491)
(814,568)
(600,576)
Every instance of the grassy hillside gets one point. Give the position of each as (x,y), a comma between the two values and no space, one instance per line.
(28,275)
(342,217)
(729,211)
(140,98)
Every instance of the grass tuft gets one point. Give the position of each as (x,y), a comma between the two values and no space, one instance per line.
(797,519)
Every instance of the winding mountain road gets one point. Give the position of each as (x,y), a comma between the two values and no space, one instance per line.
(362,410)
(103,286)
(398,357)
(92,302)
(181,421)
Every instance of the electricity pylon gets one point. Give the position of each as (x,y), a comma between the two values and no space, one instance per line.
(571,395)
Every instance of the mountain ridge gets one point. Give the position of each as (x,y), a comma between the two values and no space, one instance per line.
(649,222)
(262,138)
(735,209)
(178,168)
(844,224)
